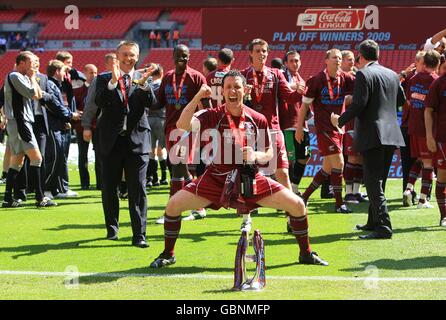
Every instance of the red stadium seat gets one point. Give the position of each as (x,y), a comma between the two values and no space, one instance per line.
(191,18)
(80,59)
(93,23)
(12,16)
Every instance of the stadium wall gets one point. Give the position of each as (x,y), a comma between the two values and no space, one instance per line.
(210,3)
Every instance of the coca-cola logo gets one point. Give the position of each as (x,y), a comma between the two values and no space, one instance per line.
(342,16)
(332,19)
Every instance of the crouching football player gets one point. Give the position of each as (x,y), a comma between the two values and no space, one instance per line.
(232,179)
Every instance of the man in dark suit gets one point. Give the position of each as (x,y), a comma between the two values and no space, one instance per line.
(124,135)
(377,91)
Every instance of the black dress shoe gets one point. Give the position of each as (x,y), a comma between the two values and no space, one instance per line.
(376,235)
(140,244)
(364,227)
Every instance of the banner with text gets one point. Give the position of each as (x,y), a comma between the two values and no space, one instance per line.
(301,28)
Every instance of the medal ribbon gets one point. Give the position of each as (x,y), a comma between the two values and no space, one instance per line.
(177,92)
(239,134)
(330,87)
(259,91)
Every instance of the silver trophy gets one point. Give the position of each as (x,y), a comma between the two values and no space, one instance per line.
(241,281)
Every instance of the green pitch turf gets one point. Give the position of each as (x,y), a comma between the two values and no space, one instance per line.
(71,237)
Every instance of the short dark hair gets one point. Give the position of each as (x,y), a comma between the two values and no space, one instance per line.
(63,55)
(329,52)
(289,53)
(233,73)
(257,41)
(181,47)
(369,50)
(226,55)
(158,71)
(210,63)
(23,56)
(53,66)
(277,63)
(432,59)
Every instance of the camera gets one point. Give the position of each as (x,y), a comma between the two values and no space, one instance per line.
(248,181)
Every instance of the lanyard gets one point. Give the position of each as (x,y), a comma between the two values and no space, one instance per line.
(124,93)
(330,88)
(259,91)
(177,92)
(239,135)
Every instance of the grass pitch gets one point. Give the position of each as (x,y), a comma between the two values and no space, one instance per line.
(38,246)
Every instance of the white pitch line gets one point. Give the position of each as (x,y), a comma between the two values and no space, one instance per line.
(213,276)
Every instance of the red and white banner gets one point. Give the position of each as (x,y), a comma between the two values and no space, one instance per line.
(330,19)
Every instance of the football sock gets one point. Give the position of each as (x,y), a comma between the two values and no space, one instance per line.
(348,177)
(413,174)
(441,198)
(299,227)
(426,183)
(10,179)
(172,226)
(336,182)
(34,173)
(320,176)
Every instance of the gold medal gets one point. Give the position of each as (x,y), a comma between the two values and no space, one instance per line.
(177,106)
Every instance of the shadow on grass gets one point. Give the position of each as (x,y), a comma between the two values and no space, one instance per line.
(151,273)
(157,191)
(169,271)
(66,202)
(84,226)
(30,250)
(403,264)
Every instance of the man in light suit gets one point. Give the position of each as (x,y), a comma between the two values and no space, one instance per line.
(124,135)
(376,93)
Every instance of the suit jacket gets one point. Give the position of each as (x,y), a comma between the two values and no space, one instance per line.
(110,123)
(376,95)
(91,113)
(43,83)
(58,114)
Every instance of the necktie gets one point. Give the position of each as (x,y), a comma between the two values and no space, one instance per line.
(126,79)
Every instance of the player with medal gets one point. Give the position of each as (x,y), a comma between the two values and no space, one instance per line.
(177,89)
(219,186)
(326,91)
(268,87)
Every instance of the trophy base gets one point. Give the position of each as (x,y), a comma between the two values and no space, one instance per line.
(255,286)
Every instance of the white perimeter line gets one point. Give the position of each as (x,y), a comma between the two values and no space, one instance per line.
(210,276)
